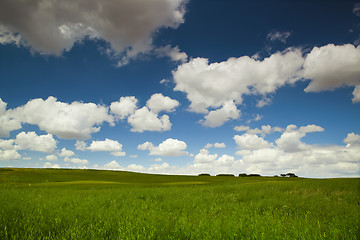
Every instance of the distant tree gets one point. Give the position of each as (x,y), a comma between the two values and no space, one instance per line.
(254,175)
(204,174)
(291,175)
(283,175)
(225,175)
(243,175)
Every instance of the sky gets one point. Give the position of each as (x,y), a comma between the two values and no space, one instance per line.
(181,86)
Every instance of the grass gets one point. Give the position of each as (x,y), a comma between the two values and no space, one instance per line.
(89,204)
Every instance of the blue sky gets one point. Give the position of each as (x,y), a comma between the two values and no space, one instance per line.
(181,87)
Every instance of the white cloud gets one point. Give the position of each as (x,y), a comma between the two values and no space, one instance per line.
(51,27)
(76,161)
(157,160)
(331,66)
(159,167)
(251,142)
(7,122)
(264,101)
(265,130)
(7,37)
(356,94)
(49,165)
(291,142)
(311,128)
(68,121)
(270,159)
(133,156)
(241,128)
(51,158)
(145,120)
(226,160)
(158,103)
(66,153)
(209,145)
(219,116)
(7,144)
(113,165)
(80,145)
(204,157)
(31,141)
(215,84)
(118,154)
(124,107)
(168,148)
(6,155)
(278,36)
(356,9)
(135,168)
(108,146)
(172,52)
(215,145)
(219,145)
(352,139)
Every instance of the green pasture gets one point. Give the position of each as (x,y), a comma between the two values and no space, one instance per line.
(93,204)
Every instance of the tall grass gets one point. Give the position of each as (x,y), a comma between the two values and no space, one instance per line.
(176,207)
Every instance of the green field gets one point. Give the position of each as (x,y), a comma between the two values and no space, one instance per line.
(92,204)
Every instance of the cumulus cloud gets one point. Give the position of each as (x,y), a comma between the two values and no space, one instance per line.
(222,85)
(7,121)
(263,131)
(135,168)
(219,116)
(68,121)
(124,107)
(50,165)
(204,157)
(331,66)
(356,94)
(80,145)
(158,103)
(159,167)
(168,148)
(113,165)
(219,145)
(241,128)
(51,27)
(278,36)
(7,144)
(352,139)
(108,146)
(251,142)
(66,153)
(32,141)
(6,155)
(77,161)
(173,53)
(51,158)
(215,145)
(145,120)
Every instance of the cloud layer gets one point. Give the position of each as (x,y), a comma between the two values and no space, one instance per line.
(51,27)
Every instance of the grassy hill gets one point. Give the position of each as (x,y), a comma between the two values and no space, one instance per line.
(94,204)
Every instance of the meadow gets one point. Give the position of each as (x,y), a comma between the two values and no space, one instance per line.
(94,204)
